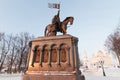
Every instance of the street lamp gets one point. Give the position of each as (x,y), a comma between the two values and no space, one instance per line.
(101,61)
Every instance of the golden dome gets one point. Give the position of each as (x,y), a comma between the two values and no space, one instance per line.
(100,53)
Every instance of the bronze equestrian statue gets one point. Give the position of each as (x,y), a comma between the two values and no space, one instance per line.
(57,26)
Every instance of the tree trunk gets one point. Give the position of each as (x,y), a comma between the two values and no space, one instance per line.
(118,58)
(1,65)
(19,65)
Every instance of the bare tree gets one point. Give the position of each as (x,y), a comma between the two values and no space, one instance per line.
(113,43)
(23,40)
(5,42)
(14,51)
(11,57)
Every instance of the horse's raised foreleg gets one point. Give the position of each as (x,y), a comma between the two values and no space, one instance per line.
(63,29)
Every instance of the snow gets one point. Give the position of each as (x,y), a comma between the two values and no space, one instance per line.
(111,74)
(10,76)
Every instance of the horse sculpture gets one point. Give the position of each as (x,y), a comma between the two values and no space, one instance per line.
(52,29)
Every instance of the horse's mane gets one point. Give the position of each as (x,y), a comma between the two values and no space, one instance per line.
(67,18)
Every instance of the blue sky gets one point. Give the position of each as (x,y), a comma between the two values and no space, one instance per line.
(94,19)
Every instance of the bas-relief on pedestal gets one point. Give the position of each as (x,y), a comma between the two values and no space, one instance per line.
(53,58)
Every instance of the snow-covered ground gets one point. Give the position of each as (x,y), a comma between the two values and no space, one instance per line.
(111,74)
(10,77)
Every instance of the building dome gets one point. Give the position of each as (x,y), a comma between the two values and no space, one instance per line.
(100,53)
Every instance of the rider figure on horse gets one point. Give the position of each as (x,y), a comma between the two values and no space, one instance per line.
(58,26)
(56,21)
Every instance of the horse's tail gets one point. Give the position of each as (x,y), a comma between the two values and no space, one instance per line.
(45,32)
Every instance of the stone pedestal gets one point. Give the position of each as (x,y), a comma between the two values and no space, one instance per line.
(53,58)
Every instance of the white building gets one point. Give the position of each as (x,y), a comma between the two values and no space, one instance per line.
(96,60)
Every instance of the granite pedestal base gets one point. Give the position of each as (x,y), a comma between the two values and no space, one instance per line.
(53,58)
(54,76)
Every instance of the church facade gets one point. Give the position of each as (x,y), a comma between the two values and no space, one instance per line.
(96,61)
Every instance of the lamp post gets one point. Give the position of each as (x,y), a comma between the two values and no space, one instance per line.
(101,61)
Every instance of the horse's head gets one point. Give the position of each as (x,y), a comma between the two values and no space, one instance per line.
(71,19)
(68,20)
